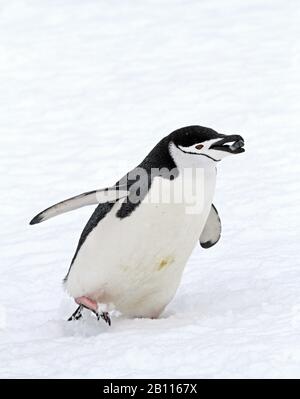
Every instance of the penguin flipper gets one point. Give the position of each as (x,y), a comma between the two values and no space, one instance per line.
(212,229)
(111,194)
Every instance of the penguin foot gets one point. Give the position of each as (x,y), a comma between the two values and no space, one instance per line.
(87,303)
(104,316)
(77,314)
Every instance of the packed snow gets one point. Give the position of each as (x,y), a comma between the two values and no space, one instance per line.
(87,88)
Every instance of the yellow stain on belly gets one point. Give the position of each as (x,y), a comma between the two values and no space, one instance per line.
(124,268)
(165,262)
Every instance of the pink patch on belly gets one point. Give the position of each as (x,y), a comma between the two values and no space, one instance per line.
(87,302)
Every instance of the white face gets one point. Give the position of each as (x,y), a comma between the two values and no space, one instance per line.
(206,152)
(203,149)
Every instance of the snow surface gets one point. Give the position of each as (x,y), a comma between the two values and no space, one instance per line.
(86,89)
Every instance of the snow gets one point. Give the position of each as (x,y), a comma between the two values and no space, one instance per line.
(86,89)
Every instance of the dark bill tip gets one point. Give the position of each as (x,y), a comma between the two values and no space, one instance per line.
(235,148)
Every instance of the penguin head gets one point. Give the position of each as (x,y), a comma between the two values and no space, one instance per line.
(204,142)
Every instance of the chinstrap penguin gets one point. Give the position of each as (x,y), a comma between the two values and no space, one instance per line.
(132,252)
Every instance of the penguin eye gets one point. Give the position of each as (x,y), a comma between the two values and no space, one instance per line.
(199,146)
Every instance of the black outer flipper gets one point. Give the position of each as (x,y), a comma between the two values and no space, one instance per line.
(212,229)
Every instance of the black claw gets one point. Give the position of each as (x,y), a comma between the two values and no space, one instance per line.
(77,314)
(104,316)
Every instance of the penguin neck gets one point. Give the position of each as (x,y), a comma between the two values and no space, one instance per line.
(159,157)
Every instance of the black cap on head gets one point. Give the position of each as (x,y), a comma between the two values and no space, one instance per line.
(190,135)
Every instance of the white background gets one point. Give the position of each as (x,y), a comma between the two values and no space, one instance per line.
(87,88)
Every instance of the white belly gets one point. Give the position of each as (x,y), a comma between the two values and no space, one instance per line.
(136,263)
